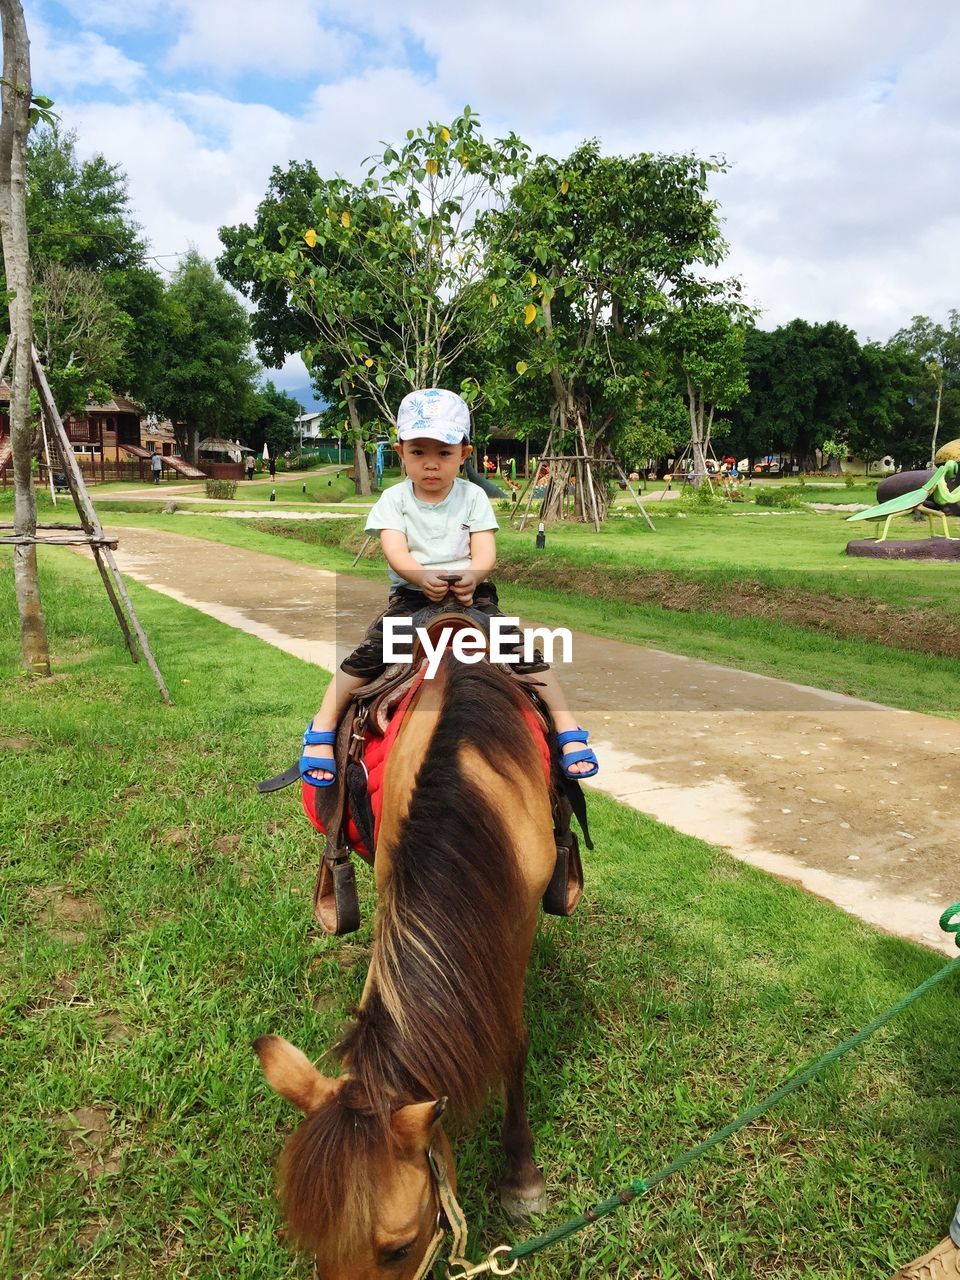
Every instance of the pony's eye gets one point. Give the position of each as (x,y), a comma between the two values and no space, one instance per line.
(397,1255)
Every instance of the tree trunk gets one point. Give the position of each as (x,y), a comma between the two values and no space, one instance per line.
(936,423)
(361,472)
(188,439)
(697,454)
(16,91)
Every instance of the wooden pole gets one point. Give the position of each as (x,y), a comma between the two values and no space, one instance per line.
(636,496)
(87,540)
(46,451)
(366,542)
(531,485)
(588,467)
(16,93)
(112,581)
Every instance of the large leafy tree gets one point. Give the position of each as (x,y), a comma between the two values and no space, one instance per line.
(385,284)
(78,211)
(609,243)
(207,377)
(278,328)
(802,390)
(882,420)
(98,300)
(813,387)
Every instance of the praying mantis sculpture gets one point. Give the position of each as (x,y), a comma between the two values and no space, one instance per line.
(930,498)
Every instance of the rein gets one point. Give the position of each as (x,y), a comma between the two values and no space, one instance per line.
(460,1268)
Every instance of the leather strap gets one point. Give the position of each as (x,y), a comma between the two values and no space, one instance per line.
(285,779)
(336,907)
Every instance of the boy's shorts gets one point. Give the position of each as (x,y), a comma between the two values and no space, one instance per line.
(367,662)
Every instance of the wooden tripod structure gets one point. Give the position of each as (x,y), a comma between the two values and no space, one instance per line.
(89,532)
(584,465)
(685,467)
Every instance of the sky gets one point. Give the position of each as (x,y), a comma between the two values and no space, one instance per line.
(840,119)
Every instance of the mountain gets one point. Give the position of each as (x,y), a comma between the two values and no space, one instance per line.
(304,394)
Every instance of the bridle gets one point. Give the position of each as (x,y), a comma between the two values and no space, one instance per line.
(451,1217)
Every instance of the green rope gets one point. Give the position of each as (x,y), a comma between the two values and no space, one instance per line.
(949,922)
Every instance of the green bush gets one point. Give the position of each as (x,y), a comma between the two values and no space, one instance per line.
(702,498)
(220,488)
(782,495)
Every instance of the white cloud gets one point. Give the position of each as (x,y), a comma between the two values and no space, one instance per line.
(346,122)
(231,36)
(610,61)
(110,16)
(182,185)
(58,63)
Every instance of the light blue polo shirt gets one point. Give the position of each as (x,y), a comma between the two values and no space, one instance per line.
(437,533)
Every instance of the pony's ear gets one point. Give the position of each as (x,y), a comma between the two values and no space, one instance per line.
(413,1126)
(292,1074)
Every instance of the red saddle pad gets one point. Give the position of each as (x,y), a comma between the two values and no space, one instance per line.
(376,753)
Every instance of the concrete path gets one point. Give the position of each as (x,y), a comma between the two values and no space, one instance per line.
(853,801)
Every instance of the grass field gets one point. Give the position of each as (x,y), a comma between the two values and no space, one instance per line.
(156,918)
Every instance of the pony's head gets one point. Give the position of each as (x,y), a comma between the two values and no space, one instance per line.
(357,1190)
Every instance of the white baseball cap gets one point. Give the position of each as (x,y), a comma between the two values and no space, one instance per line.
(434,414)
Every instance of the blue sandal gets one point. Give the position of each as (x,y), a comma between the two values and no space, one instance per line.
(574,757)
(318,738)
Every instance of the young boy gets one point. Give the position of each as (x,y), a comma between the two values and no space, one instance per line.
(433,523)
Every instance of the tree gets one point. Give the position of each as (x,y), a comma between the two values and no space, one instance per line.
(79,334)
(391,276)
(705,333)
(137,293)
(18,106)
(935,389)
(100,315)
(272,418)
(802,381)
(207,375)
(78,212)
(880,399)
(278,328)
(608,241)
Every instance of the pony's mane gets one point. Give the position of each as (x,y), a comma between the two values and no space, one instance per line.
(442,1017)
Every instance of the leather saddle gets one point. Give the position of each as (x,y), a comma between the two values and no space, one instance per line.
(336,905)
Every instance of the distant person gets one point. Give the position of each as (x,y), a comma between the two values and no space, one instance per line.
(156,466)
(273,468)
(941,1263)
(249,465)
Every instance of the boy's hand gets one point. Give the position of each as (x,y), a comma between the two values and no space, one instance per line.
(464,589)
(433,586)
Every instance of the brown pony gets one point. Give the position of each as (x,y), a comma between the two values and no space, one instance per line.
(464,853)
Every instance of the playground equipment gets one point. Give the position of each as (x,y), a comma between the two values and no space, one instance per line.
(932,497)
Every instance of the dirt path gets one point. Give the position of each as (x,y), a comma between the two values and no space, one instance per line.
(852,801)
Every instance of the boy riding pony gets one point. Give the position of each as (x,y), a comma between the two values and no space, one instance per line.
(434,524)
